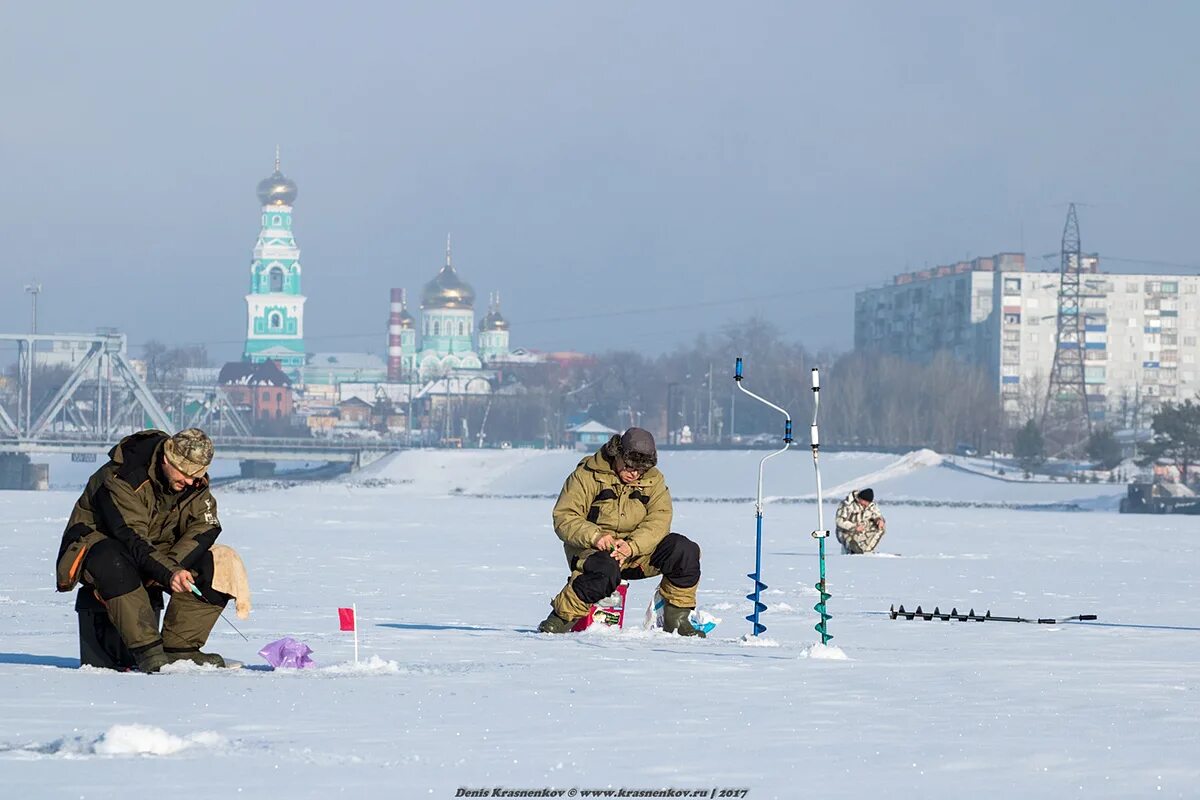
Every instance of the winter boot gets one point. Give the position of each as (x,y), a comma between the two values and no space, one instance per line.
(555,624)
(675,620)
(196,657)
(151,659)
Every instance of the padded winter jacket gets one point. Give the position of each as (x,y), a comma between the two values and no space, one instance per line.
(593,502)
(851,514)
(129,499)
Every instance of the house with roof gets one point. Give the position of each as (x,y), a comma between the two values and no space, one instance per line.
(262,393)
(589,435)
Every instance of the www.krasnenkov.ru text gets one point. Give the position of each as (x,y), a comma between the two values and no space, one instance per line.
(500,791)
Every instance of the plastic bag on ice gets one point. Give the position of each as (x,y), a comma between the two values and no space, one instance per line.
(287,652)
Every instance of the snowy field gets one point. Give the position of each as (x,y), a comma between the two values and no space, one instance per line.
(452,562)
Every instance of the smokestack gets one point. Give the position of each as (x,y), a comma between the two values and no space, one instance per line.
(394,350)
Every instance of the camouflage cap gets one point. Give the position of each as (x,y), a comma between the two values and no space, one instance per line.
(190,451)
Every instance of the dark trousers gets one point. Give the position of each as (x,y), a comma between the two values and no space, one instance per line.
(119,614)
(596,575)
(677,558)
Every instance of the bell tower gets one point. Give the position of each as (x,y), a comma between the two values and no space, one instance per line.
(274,305)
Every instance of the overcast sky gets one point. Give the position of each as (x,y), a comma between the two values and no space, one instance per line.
(697,162)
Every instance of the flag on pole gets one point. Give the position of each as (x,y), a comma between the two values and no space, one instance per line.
(347,621)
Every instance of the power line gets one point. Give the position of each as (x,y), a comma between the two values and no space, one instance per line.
(1151,262)
(382,331)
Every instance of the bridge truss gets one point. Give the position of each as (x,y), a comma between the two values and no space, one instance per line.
(103,395)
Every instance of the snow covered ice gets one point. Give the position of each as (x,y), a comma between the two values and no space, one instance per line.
(451,560)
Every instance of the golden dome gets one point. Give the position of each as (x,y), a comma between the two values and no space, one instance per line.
(275,189)
(405,319)
(493,322)
(447,290)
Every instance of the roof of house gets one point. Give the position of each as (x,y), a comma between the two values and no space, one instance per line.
(347,361)
(591,426)
(268,373)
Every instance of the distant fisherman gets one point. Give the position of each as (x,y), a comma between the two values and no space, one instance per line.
(860,525)
(145,523)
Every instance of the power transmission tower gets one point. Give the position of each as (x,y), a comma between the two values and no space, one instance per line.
(1065,418)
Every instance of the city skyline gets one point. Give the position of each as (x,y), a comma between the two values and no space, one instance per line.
(627,177)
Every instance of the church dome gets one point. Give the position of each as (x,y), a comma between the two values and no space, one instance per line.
(275,189)
(447,290)
(493,322)
(405,319)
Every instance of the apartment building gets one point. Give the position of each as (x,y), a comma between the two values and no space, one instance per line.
(1140,331)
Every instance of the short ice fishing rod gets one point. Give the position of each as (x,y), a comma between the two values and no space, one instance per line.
(756,576)
(196,592)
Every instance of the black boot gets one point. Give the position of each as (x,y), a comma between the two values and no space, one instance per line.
(555,624)
(195,656)
(675,620)
(152,658)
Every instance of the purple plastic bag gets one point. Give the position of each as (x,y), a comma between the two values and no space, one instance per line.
(287,652)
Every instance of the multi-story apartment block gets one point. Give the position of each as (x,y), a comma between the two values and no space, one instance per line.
(1139,342)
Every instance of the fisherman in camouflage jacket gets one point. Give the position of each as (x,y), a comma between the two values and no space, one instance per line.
(860,526)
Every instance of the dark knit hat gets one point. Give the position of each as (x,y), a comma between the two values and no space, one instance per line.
(190,451)
(637,449)
(866,494)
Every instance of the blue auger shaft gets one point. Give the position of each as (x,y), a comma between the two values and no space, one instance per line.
(756,596)
(756,576)
(820,534)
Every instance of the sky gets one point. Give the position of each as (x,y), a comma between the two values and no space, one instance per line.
(626,175)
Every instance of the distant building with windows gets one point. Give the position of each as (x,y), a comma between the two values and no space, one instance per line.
(336,368)
(589,435)
(1140,330)
(262,394)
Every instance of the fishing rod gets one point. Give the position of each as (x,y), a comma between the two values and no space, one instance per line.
(197,592)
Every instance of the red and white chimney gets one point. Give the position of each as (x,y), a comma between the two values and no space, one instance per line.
(394,351)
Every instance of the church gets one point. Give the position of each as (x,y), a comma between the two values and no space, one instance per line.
(446,341)
(275,304)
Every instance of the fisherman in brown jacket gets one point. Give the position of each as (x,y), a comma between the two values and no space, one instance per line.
(145,524)
(614,518)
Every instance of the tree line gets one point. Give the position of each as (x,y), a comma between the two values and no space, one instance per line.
(868,400)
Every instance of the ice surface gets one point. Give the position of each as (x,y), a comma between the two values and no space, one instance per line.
(451,560)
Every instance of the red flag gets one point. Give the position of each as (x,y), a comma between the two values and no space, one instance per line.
(346,618)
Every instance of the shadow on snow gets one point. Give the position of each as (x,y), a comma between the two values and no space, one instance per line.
(39,661)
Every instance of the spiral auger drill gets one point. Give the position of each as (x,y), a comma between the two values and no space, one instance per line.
(820,534)
(756,596)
